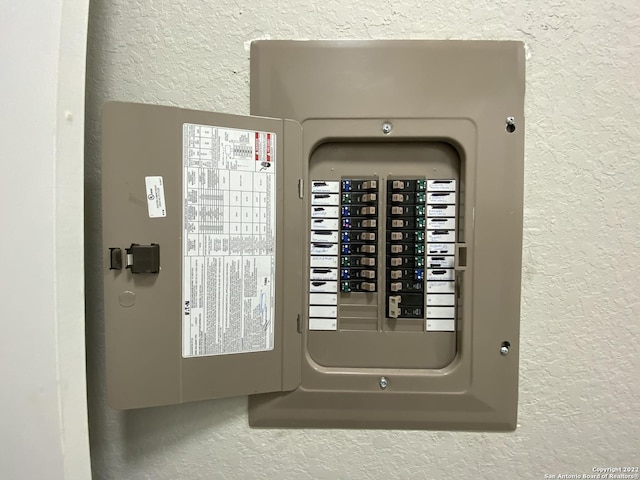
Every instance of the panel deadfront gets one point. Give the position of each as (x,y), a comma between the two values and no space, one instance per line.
(414,287)
(394,255)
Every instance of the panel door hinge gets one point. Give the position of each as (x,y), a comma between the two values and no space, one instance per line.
(301,188)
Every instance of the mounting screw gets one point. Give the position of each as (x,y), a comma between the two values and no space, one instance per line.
(511,124)
(386,128)
(504,348)
(384,382)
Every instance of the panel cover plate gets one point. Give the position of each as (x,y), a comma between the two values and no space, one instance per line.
(238,344)
(458,92)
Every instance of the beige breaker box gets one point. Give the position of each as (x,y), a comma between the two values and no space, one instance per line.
(349,255)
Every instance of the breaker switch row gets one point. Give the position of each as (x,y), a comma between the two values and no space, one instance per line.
(406,261)
(349,223)
(408,185)
(359,185)
(409,198)
(358,236)
(405,306)
(406,236)
(413,210)
(350,286)
(351,198)
(354,273)
(358,261)
(348,211)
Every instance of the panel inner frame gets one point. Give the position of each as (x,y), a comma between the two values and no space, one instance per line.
(365,337)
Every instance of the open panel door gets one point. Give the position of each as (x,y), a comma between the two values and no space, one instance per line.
(198,211)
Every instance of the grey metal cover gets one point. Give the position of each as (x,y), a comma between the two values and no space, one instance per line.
(469,94)
(143,312)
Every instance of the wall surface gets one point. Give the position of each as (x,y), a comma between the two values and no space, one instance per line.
(43,415)
(580,367)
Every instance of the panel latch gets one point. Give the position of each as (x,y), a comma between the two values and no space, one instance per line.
(143,258)
(115,258)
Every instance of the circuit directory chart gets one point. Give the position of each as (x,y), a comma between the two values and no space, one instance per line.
(229,233)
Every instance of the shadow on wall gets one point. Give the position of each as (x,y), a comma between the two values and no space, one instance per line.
(150,430)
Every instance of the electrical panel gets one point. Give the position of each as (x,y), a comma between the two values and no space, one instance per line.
(348,257)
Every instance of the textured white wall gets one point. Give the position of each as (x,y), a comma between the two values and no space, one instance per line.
(580,361)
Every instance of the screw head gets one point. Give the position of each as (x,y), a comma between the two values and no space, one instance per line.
(511,124)
(386,128)
(384,382)
(504,350)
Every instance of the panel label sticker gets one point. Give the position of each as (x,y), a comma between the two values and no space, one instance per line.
(323,299)
(439,223)
(319,286)
(441,210)
(441,300)
(325,186)
(441,312)
(156,206)
(441,185)
(441,236)
(324,274)
(228,240)
(325,224)
(440,287)
(324,249)
(440,248)
(323,311)
(440,274)
(325,212)
(441,262)
(325,199)
(326,236)
(323,324)
(324,261)
(441,325)
(441,198)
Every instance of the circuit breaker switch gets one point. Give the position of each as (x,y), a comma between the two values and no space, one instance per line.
(396,286)
(368,249)
(394,306)
(368,274)
(397,223)
(368,262)
(397,210)
(396,235)
(368,211)
(368,236)
(369,224)
(369,197)
(397,197)
(369,185)
(395,274)
(395,262)
(398,185)
(368,286)
(396,248)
